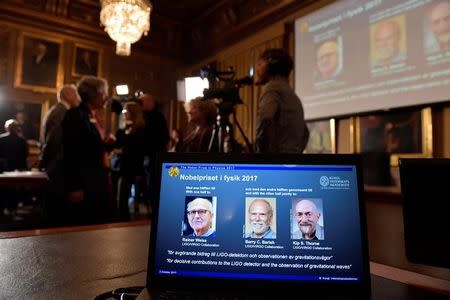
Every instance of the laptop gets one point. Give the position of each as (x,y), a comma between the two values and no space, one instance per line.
(254,226)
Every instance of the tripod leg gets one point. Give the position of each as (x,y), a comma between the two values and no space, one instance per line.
(220,140)
(213,139)
(247,142)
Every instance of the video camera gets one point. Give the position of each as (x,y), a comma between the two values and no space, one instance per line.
(229,93)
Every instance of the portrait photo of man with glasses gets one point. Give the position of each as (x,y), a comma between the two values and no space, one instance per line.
(200,217)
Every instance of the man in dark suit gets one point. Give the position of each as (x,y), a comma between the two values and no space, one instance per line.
(84,154)
(52,143)
(52,150)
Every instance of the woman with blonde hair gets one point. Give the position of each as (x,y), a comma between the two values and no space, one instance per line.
(202,114)
(130,149)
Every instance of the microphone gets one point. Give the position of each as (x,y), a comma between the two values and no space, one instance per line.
(247,80)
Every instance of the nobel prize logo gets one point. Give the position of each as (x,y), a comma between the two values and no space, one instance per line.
(324,181)
(174,171)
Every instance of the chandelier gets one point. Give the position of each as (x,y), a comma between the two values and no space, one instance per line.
(125,21)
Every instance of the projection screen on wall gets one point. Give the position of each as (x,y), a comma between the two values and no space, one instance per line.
(357,56)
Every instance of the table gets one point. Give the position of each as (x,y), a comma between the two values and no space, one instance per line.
(24,179)
(81,265)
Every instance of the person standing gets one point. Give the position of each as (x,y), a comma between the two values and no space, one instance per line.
(52,140)
(157,133)
(52,150)
(280,123)
(85,145)
(156,137)
(129,148)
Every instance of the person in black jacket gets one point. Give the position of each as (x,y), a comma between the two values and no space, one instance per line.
(156,136)
(129,147)
(156,131)
(280,122)
(52,152)
(85,145)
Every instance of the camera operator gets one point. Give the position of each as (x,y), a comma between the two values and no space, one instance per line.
(202,114)
(280,123)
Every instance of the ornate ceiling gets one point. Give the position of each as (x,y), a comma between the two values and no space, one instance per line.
(183,29)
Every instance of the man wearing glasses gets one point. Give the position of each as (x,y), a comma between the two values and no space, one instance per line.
(306,215)
(200,217)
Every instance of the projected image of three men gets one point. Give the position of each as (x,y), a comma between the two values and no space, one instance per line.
(372,55)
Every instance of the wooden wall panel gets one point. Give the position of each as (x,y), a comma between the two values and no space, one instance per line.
(141,70)
(5,41)
(446,132)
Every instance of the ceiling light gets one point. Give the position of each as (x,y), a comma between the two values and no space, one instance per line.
(125,22)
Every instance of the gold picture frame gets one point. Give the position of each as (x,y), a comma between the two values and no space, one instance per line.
(322,136)
(86,60)
(29,114)
(39,64)
(403,134)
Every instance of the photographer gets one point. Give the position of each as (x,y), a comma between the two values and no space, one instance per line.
(280,123)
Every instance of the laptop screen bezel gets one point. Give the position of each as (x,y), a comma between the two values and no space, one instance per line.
(154,281)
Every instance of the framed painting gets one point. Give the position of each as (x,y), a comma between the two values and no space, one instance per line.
(322,136)
(406,133)
(86,61)
(29,115)
(39,63)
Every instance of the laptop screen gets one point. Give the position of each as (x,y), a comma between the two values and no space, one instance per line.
(256,221)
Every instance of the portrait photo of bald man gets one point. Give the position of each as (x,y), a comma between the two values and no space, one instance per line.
(388,42)
(437,27)
(260,218)
(199,220)
(307,219)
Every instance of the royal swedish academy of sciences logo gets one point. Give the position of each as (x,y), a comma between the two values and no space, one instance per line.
(174,171)
(324,181)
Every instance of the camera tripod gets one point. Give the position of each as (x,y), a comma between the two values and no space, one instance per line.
(222,137)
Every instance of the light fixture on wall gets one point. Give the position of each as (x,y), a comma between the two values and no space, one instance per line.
(125,21)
